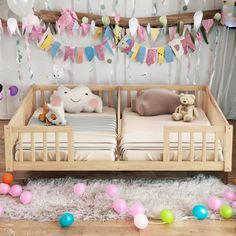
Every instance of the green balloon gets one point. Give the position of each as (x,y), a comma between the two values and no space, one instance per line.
(226,211)
(167,216)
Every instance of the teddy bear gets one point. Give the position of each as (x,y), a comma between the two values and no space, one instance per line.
(186,111)
(79,99)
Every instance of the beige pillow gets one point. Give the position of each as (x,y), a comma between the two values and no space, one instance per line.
(155,101)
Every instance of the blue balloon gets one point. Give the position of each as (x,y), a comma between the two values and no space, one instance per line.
(66,220)
(200,212)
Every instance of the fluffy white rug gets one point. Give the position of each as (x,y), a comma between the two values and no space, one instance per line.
(52,197)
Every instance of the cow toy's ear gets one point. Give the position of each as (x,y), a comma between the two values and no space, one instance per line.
(56,101)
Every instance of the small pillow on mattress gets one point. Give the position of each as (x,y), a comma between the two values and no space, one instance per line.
(152,102)
(79,99)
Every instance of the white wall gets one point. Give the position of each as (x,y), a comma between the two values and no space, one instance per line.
(122,70)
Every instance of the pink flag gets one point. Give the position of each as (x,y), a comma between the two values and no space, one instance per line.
(172,32)
(208,24)
(85,29)
(100,52)
(151,56)
(188,43)
(141,33)
(69,53)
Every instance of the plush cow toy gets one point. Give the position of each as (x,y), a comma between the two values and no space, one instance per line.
(79,99)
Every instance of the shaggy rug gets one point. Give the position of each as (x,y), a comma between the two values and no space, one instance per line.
(52,197)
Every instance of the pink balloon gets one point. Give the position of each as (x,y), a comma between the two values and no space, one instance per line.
(214,203)
(4,188)
(111,190)
(141,221)
(234,204)
(79,189)
(15,190)
(229,195)
(120,206)
(1,210)
(136,208)
(26,197)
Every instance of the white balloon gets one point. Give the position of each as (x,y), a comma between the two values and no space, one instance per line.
(12,25)
(140,221)
(197,20)
(133,25)
(21,7)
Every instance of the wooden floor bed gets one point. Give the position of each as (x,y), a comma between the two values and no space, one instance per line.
(120,97)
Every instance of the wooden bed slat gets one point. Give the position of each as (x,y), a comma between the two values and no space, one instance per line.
(45,148)
(128,98)
(70,138)
(42,97)
(110,99)
(57,147)
(180,147)
(32,146)
(191,147)
(216,147)
(21,147)
(204,146)
(166,146)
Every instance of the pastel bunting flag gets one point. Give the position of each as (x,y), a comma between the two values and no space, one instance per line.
(134,51)
(161,53)
(108,33)
(172,32)
(80,54)
(154,33)
(151,56)
(141,33)
(54,49)
(75,26)
(208,24)
(177,47)
(169,55)
(141,54)
(47,42)
(89,52)
(188,43)
(109,48)
(85,29)
(100,51)
(98,32)
(69,53)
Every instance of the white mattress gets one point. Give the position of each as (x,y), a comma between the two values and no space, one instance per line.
(94,137)
(142,138)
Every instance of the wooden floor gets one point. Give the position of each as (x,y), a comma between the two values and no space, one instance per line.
(125,228)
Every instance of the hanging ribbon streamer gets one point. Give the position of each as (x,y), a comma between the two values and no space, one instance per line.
(28,53)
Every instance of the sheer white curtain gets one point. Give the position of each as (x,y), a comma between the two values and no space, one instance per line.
(224,81)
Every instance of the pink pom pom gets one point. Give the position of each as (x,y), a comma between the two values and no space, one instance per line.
(4,188)
(111,190)
(229,195)
(120,206)
(214,203)
(15,190)
(136,208)
(79,189)
(26,197)
(234,204)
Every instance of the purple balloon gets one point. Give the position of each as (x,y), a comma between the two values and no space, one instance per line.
(13,90)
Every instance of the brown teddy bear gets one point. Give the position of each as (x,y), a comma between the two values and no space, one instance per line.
(186,111)
(43,116)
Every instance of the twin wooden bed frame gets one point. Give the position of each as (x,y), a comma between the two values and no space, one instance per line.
(118,97)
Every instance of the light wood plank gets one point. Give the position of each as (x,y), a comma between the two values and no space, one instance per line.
(21,147)
(180,151)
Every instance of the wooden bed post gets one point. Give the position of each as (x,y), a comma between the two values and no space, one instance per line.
(228,148)
(8,148)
